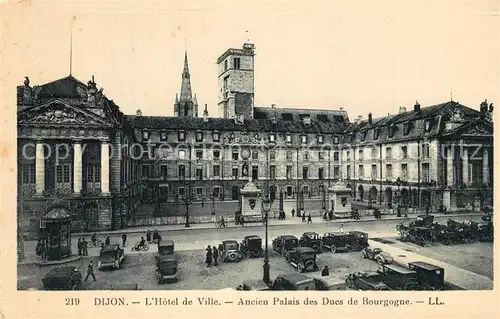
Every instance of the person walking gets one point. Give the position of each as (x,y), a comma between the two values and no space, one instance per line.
(90,271)
(222,222)
(242,221)
(43,249)
(341,228)
(330,214)
(124,239)
(215,255)
(37,249)
(79,246)
(158,239)
(148,236)
(303,218)
(155,235)
(309,219)
(325,272)
(85,247)
(293,212)
(209,256)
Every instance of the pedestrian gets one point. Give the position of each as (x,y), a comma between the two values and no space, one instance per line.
(158,239)
(303,218)
(108,241)
(90,271)
(43,249)
(124,239)
(80,248)
(37,248)
(309,219)
(222,222)
(85,247)
(242,221)
(293,212)
(209,255)
(148,236)
(215,255)
(155,235)
(325,271)
(220,249)
(341,228)
(330,214)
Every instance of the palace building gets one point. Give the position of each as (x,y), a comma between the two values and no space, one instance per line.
(77,149)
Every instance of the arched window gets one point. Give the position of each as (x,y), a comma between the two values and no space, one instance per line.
(388,153)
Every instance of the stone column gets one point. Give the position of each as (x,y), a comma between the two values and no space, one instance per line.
(105,167)
(486,168)
(465,166)
(40,168)
(77,168)
(449,167)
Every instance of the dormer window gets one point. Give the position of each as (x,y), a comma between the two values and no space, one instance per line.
(335,140)
(320,139)
(391,129)
(303,139)
(289,138)
(163,136)
(353,137)
(145,135)
(272,137)
(199,136)
(215,136)
(181,136)
(406,129)
(376,133)
(363,136)
(427,126)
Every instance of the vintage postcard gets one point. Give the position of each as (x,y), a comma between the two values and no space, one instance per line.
(248,158)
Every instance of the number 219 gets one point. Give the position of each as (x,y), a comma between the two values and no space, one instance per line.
(72,301)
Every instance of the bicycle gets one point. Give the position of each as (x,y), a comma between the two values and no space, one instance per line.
(143,248)
(98,243)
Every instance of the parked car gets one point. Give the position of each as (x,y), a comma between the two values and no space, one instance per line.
(284,243)
(294,281)
(231,251)
(251,246)
(302,258)
(358,240)
(430,277)
(329,283)
(422,221)
(62,278)
(166,247)
(381,257)
(255,285)
(336,242)
(311,240)
(166,269)
(111,256)
(399,277)
(365,281)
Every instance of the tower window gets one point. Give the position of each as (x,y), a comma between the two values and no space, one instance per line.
(225,65)
(237,63)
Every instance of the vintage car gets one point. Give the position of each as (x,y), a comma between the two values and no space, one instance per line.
(365,281)
(329,283)
(255,285)
(381,257)
(399,277)
(422,221)
(251,246)
(166,247)
(166,269)
(302,258)
(230,251)
(417,234)
(62,278)
(284,243)
(358,240)
(294,281)
(430,277)
(336,242)
(111,256)
(311,240)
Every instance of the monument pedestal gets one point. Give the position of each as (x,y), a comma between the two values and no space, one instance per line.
(251,203)
(340,200)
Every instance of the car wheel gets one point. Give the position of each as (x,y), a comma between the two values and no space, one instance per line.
(309,265)
(256,253)
(349,283)
(287,258)
(300,267)
(333,249)
(364,254)
(316,248)
(380,260)
(232,256)
(446,241)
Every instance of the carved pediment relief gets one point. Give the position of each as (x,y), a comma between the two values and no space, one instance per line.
(477,130)
(59,113)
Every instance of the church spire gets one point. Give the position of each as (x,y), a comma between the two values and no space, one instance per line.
(186,94)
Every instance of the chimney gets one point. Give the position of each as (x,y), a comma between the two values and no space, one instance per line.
(205,114)
(402,109)
(341,108)
(273,106)
(93,79)
(307,121)
(417,107)
(138,112)
(370,120)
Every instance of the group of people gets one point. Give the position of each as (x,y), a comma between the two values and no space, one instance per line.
(212,255)
(82,246)
(302,214)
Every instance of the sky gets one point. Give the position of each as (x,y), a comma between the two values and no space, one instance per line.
(364,56)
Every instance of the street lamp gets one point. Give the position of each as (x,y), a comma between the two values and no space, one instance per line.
(398,182)
(266,207)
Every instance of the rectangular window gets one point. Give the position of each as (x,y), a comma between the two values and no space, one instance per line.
(255,172)
(303,139)
(374,153)
(376,133)
(225,69)
(28,174)
(425,150)
(288,138)
(305,172)
(199,192)
(363,136)
(348,171)
(215,136)
(163,136)
(425,173)
(182,154)
(388,153)
(235,155)
(255,155)
(181,136)
(199,155)
(164,171)
(235,173)
(237,63)
(182,171)
(199,174)
(272,138)
(321,155)
(306,155)
(336,172)
(336,156)
(216,170)
(289,191)
(182,191)
(288,155)
(216,192)
(94,173)
(404,152)
(272,172)
(289,172)
(348,155)
(145,170)
(361,156)
(427,126)
(216,154)
(199,136)
(406,128)
(335,140)
(63,174)
(388,171)
(404,171)
(391,129)
(374,172)
(361,172)
(320,139)
(272,155)
(321,173)
(145,135)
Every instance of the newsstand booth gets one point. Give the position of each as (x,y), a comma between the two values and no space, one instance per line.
(57,233)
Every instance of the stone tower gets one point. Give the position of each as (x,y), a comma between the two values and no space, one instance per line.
(185,104)
(236,82)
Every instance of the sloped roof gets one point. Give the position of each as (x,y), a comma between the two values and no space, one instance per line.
(58,213)
(294,114)
(66,87)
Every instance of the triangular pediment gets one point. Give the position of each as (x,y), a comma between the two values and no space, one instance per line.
(60,112)
(479,127)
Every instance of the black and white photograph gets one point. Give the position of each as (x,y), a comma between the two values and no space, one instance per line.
(282,146)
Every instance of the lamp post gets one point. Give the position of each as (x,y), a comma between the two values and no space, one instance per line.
(266,207)
(398,182)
